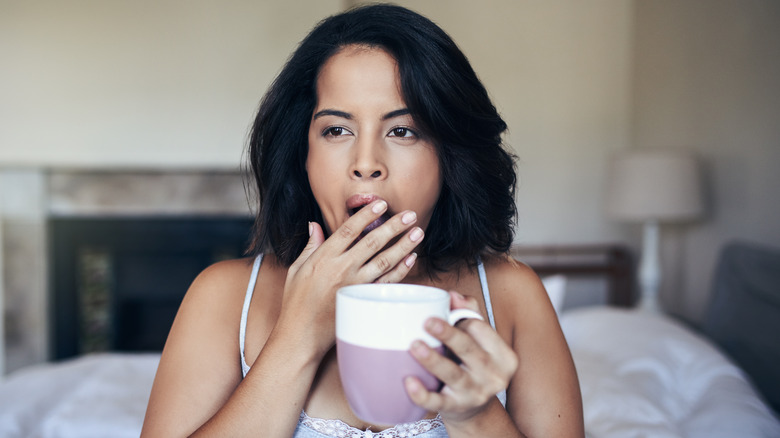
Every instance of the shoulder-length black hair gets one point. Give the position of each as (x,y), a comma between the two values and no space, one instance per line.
(476,208)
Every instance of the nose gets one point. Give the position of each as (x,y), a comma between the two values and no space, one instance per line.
(369,163)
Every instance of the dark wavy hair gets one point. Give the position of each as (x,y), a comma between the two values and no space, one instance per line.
(475,212)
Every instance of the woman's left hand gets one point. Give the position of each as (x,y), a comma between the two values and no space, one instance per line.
(488,364)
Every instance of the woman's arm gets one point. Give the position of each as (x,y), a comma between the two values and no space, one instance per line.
(198,389)
(200,374)
(543,398)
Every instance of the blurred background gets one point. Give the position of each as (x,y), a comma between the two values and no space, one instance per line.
(121,110)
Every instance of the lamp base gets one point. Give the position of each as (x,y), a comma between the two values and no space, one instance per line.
(650,268)
(649,304)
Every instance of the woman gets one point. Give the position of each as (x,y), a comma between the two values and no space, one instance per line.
(378,158)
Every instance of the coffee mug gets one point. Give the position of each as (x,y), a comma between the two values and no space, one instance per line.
(375,327)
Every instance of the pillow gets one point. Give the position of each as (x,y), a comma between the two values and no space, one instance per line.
(556,290)
(742,317)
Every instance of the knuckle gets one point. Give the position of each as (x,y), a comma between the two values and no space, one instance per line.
(462,380)
(382,263)
(470,349)
(372,242)
(390,277)
(346,231)
(484,359)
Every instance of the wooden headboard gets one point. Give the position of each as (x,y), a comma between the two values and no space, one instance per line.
(613,263)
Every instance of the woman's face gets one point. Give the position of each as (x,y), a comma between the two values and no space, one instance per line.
(364,145)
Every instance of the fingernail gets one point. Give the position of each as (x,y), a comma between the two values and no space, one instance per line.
(420,350)
(434,326)
(459,295)
(408,217)
(416,234)
(311,229)
(412,385)
(379,207)
(410,259)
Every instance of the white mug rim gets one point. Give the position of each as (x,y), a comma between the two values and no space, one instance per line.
(394,293)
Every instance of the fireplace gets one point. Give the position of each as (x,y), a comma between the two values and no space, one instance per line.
(98,260)
(116,283)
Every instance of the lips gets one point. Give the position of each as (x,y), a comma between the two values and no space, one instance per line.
(356,202)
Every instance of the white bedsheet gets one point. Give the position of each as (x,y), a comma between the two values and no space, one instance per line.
(646,375)
(95,396)
(641,376)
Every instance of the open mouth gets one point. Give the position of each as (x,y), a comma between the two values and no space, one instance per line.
(357,202)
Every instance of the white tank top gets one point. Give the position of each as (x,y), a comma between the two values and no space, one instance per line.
(316,427)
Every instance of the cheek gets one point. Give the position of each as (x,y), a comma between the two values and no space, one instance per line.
(423,180)
(316,163)
(323,178)
(319,171)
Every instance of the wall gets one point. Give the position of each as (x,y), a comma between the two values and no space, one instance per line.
(24,265)
(560,74)
(139,83)
(88,84)
(706,77)
(174,84)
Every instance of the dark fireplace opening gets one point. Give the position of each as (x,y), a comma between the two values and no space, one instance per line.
(116,283)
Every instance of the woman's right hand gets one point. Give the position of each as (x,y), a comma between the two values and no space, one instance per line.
(326,265)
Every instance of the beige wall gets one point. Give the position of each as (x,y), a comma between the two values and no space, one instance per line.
(174,84)
(120,84)
(139,83)
(707,77)
(559,73)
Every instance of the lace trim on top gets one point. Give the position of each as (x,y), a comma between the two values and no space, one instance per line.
(340,429)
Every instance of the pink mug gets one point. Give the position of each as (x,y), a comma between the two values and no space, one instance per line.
(375,327)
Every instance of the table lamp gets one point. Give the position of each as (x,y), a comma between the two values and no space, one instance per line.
(653,186)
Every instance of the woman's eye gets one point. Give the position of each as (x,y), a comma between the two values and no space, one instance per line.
(335,131)
(401,132)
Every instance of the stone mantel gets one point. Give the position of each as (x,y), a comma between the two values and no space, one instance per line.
(29,197)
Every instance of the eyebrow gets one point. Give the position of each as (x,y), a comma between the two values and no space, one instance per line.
(330,112)
(396,113)
(348,116)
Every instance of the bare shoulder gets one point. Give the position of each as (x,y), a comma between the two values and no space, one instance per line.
(216,290)
(543,396)
(212,305)
(203,341)
(505,267)
(225,275)
(514,281)
(518,294)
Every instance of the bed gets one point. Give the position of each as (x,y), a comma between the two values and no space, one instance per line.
(641,374)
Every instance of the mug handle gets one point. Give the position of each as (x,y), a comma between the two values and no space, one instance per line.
(459,315)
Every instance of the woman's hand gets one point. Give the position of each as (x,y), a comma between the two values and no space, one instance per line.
(488,364)
(342,259)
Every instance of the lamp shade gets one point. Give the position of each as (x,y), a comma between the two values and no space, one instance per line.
(654,184)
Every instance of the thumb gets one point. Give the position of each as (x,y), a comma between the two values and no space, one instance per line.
(458,301)
(316,237)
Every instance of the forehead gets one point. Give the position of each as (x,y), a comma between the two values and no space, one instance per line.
(361,74)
